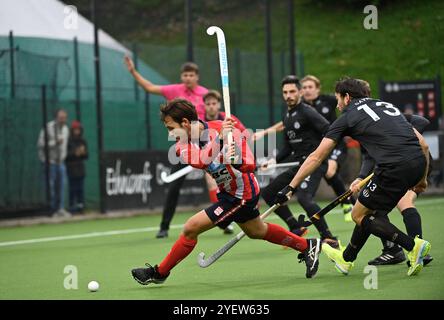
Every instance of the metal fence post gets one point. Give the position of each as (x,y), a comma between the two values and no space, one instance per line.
(77,79)
(11,55)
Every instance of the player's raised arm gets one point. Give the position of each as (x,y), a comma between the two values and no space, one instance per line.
(144,83)
(277,127)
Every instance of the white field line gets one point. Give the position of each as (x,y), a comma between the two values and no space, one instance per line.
(140,230)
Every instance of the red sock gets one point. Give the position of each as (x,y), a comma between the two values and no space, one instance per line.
(277,234)
(213,195)
(181,248)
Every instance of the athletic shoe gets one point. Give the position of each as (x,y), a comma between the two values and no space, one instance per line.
(62,213)
(388,258)
(229,229)
(333,242)
(427,259)
(335,255)
(416,256)
(347,209)
(162,234)
(148,275)
(311,257)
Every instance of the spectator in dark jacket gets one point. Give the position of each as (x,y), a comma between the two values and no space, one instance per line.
(75,164)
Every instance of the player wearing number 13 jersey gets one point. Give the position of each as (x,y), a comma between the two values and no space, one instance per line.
(401,157)
(201,145)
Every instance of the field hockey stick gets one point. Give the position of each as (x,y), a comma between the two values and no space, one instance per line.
(176,175)
(282,165)
(223,62)
(203,263)
(335,202)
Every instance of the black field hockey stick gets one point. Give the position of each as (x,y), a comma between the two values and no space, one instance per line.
(335,202)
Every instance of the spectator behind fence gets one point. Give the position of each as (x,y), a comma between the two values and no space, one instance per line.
(58,134)
(75,165)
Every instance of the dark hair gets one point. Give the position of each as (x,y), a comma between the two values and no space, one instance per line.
(353,87)
(189,67)
(212,94)
(366,86)
(178,109)
(291,79)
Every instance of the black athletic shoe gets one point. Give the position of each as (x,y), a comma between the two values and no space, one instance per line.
(426,260)
(148,275)
(388,258)
(162,234)
(311,257)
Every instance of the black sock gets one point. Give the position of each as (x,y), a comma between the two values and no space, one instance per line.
(336,183)
(387,231)
(412,221)
(357,241)
(387,246)
(285,214)
(322,227)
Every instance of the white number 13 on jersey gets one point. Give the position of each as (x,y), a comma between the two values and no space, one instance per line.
(392,110)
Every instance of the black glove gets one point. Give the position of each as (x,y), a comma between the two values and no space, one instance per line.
(284,195)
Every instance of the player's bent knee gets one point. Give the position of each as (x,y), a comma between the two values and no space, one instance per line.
(305,199)
(357,217)
(191,229)
(255,234)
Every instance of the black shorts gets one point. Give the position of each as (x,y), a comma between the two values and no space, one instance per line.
(390,184)
(229,209)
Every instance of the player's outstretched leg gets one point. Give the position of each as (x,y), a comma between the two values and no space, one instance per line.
(417,248)
(181,249)
(343,258)
(269,194)
(305,199)
(412,219)
(391,252)
(309,248)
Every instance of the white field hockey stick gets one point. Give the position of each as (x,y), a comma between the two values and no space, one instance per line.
(223,62)
(176,175)
(282,165)
(203,263)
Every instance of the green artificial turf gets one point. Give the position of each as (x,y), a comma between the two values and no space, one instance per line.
(253,269)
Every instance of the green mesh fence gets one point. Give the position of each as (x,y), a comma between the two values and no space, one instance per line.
(130,118)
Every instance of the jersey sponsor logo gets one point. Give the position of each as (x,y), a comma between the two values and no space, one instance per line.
(219,173)
(218,211)
(291,135)
(297,125)
(325,110)
(365,193)
(335,154)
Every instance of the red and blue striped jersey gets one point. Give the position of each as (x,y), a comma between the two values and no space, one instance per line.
(237,179)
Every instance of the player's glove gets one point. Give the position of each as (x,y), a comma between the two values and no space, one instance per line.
(284,195)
